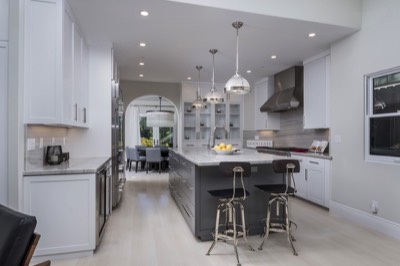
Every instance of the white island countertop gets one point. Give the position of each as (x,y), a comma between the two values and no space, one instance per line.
(206,157)
(73,166)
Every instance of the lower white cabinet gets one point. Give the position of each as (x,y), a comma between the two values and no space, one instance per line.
(313,180)
(65,209)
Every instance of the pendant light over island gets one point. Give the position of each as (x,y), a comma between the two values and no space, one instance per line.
(237,84)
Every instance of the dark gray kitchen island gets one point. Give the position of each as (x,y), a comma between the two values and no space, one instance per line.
(193,172)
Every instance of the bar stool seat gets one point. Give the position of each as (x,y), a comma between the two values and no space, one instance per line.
(231,202)
(279,194)
(228,193)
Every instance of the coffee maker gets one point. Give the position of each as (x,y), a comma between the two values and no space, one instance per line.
(54,155)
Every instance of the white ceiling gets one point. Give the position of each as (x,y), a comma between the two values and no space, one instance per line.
(179,36)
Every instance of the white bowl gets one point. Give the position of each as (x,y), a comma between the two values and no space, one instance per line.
(224,152)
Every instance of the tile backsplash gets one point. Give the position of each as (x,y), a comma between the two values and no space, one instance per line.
(37,138)
(291,132)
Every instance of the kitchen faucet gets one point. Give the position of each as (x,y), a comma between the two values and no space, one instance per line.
(214,135)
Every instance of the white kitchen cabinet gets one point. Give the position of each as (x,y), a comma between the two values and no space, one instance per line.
(316,92)
(263,90)
(52,42)
(65,209)
(4,6)
(3,122)
(313,180)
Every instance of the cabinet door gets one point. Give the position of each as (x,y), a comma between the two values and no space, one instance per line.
(77,76)
(68,67)
(263,90)
(4,20)
(3,121)
(189,123)
(234,121)
(84,95)
(316,83)
(300,179)
(42,62)
(315,176)
(66,223)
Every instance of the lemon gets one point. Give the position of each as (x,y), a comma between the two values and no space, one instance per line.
(217,148)
(229,147)
(222,145)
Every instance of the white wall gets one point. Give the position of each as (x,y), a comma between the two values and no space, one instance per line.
(355,183)
(96,141)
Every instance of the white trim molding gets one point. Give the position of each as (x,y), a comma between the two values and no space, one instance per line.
(365,219)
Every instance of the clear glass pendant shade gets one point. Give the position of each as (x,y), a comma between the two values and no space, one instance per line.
(238,85)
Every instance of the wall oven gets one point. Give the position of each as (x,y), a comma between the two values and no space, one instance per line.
(103,199)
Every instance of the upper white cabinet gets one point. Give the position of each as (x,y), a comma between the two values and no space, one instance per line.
(265,121)
(4,20)
(316,92)
(55,65)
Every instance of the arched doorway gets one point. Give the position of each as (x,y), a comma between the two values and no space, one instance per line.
(136,130)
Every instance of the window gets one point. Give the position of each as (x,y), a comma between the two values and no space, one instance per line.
(150,136)
(382,119)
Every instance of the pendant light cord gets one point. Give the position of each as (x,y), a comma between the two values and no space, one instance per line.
(213,76)
(198,81)
(237,51)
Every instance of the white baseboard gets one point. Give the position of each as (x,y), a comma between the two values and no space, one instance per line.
(365,219)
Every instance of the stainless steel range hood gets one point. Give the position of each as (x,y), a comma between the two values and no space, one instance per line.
(288,91)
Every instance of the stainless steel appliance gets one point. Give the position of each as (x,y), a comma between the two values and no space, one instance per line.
(117,145)
(103,198)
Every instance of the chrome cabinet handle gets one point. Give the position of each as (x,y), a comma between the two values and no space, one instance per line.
(76,112)
(84,115)
(306,175)
(314,162)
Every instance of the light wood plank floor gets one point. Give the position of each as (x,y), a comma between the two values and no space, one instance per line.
(148,229)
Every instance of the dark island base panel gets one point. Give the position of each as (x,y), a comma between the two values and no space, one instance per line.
(189,185)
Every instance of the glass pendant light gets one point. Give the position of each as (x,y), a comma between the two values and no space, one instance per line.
(237,84)
(159,118)
(213,96)
(199,103)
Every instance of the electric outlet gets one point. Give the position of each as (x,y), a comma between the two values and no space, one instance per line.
(374,207)
(41,143)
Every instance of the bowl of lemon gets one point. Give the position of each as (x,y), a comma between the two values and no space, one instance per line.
(224,149)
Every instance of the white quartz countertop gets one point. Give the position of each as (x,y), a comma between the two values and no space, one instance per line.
(74,166)
(205,157)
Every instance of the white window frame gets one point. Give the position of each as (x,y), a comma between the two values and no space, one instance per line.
(368,90)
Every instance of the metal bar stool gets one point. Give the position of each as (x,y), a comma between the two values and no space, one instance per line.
(279,194)
(231,200)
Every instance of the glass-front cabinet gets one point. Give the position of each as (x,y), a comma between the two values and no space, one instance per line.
(224,120)
(189,123)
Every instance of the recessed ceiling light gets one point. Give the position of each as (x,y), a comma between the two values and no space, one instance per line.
(273,56)
(249,71)
(142,44)
(141,75)
(312,34)
(189,78)
(141,63)
(144,13)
